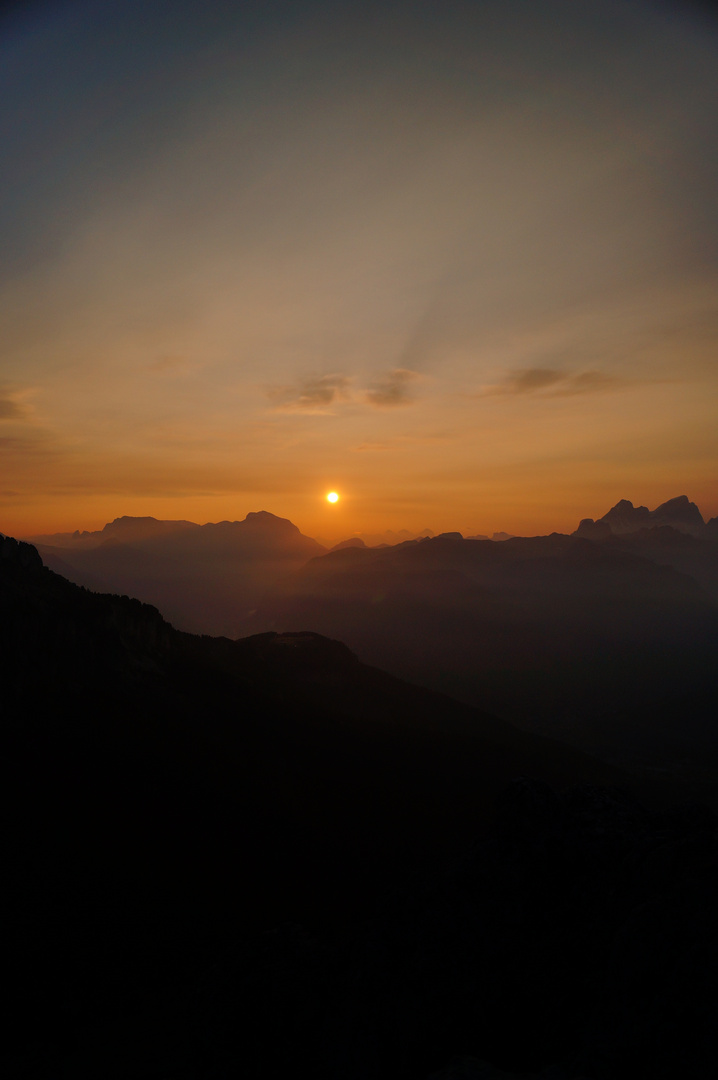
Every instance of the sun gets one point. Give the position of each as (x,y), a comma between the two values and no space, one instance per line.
(332,497)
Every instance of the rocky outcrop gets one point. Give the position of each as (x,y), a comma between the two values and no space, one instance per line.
(16,555)
(625,517)
(593,530)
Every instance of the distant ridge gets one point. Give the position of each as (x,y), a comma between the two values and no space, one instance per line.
(679,513)
(258,527)
(388,538)
(125,529)
(204,578)
(354,541)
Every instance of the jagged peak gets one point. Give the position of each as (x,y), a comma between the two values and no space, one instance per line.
(682,507)
(679,513)
(679,500)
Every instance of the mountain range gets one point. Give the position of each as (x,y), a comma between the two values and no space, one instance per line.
(255,856)
(604,638)
(602,643)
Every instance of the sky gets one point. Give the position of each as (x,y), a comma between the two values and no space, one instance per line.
(456,261)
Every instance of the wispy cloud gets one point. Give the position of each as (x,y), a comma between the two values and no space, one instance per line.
(172,365)
(588,382)
(27,446)
(394,389)
(404,442)
(314,395)
(550,382)
(10,407)
(318,394)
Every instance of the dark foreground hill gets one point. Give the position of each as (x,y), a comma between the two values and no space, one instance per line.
(264,858)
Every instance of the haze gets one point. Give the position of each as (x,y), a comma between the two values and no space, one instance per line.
(454,261)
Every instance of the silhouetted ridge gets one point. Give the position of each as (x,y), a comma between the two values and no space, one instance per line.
(264,519)
(354,541)
(125,529)
(141,528)
(593,530)
(679,511)
(16,555)
(624,517)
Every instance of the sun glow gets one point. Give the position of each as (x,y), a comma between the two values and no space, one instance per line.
(332,497)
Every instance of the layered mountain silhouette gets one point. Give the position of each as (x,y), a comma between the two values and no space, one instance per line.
(204,578)
(608,643)
(605,638)
(263,856)
(123,529)
(388,538)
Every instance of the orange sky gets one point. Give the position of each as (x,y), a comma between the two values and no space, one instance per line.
(457,262)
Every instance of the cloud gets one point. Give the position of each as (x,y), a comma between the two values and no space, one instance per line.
(395,389)
(588,382)
(549,382)
(404,442)
(10,409)
(314,395)
(531,379)
(317,394)
(12,446)
(171,365)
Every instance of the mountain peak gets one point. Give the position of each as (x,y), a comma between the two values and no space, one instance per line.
(128,521)
(266,518)
(679,510)
(625,517)
(352,542)
(678,513)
